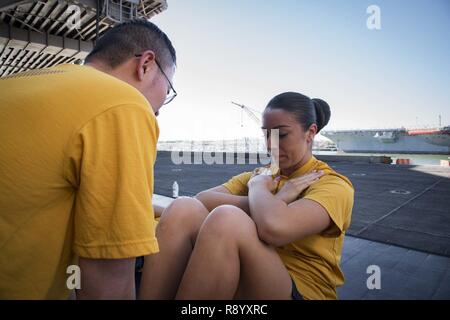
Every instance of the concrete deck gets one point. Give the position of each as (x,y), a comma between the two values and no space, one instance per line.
(406,206)
(405,273)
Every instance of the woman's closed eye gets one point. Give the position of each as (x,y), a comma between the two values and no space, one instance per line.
(281,135)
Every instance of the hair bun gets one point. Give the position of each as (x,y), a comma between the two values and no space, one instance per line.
(323,113)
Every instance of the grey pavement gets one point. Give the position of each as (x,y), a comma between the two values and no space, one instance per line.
(405,273)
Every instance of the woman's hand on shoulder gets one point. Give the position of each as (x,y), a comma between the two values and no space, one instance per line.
(294,187)
(263,180)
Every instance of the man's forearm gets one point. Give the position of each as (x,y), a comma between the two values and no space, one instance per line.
(106,294)
(107,279)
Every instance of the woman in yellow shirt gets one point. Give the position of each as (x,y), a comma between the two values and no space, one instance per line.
(260,236)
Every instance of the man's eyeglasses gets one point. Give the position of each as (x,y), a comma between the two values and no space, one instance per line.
(171,93)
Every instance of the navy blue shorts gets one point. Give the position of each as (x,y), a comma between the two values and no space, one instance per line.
(296,295)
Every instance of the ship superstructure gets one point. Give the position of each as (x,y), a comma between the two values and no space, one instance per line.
(424,141)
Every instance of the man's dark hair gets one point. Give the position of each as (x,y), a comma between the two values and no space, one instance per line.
(127,39)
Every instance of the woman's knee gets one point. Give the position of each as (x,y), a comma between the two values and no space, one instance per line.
(230,220)
(183,211)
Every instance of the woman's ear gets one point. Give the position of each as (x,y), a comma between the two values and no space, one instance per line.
(312,131)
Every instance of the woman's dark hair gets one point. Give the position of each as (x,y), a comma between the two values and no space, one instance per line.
(306,110)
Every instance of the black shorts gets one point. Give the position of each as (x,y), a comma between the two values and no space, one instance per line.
(296,295)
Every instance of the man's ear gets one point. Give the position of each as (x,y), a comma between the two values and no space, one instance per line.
(145,63)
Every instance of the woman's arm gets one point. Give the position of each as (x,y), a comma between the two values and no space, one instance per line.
(280,223)
(214,197)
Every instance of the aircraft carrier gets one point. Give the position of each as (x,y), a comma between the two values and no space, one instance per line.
(419,141)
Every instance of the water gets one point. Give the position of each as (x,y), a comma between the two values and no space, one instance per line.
(256,145)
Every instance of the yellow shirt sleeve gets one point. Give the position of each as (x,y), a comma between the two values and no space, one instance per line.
(110,162)
(237,185)
(336,196)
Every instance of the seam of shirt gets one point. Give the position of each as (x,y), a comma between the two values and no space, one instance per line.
(118,244)
(82,126)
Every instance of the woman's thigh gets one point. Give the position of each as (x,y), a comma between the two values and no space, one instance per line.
(262,272)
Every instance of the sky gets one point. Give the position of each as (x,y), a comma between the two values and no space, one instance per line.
(251,50)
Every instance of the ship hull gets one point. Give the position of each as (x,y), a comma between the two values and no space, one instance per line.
(390,141)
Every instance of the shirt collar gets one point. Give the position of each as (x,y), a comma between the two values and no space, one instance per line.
(306,168)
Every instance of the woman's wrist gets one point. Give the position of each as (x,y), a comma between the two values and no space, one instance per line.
(279,196)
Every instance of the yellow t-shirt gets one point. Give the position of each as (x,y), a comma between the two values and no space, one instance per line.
(76,176)
(313,262)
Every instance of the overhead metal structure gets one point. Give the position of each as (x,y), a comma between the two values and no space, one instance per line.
(42,33)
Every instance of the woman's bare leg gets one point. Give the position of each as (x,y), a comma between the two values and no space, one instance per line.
(229,261)
(176,233)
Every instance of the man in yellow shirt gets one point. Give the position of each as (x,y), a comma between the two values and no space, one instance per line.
(78,145)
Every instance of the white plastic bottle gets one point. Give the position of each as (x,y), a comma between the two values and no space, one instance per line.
(175,190)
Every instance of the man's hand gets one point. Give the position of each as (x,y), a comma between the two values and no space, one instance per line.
(294,187)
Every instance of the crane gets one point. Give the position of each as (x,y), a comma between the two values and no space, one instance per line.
(273,168)
(251,112)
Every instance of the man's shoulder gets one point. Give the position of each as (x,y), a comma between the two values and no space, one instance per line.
(91,81)
(72,85)
(93,93)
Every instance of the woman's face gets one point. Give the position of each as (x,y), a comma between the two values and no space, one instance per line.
(294,141)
